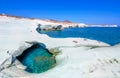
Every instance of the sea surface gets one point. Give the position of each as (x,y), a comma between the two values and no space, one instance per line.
(110,35)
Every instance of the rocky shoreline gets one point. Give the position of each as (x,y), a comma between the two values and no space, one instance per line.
(79,57)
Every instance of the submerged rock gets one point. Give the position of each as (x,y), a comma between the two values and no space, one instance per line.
(42,63)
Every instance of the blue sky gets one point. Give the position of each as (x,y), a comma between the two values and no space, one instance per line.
(85,11)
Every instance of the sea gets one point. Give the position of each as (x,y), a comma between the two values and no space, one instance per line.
(110,35)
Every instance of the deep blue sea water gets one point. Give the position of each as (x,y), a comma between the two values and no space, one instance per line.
(110,35)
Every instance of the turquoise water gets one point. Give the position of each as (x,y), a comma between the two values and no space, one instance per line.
(110,35)
(37,59)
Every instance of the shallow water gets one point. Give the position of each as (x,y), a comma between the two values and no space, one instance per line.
(37,59)
(110,35)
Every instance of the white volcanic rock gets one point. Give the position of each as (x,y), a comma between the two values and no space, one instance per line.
(79,62)
(77,59)
(101,25)
(44,22)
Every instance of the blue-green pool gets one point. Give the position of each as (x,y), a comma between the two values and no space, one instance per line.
(37,59)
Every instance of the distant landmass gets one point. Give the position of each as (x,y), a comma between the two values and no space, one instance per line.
(65,23)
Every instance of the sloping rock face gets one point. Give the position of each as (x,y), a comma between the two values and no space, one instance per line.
(16,35)
(10,56)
